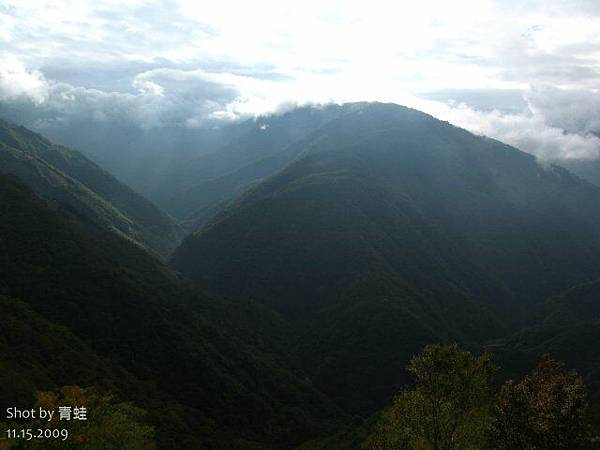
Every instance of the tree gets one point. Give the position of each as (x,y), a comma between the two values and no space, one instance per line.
(544,411)
(449,408)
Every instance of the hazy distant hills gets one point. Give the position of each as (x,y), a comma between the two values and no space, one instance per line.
(81,305)
(393,229)
(259,148)
(65,175)
(192,172)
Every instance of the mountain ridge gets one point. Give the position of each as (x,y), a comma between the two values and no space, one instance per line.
(65,175)
(388,212)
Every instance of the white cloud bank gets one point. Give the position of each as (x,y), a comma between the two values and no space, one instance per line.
(528,131)
(16,82)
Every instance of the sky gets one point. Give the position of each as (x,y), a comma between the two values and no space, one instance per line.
(525,72)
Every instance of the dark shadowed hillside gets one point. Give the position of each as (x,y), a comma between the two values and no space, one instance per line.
(568,328)
(81,305)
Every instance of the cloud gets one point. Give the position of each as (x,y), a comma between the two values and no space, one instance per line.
(427,44)
(6,25)
(573,110)
(18,83)
(159,98)
(528,131)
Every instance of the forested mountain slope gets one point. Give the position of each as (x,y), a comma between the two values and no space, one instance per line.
(65,175)
(393,230)
(568,328)
(107,314)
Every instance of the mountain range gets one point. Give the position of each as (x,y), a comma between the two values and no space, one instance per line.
(325,247)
